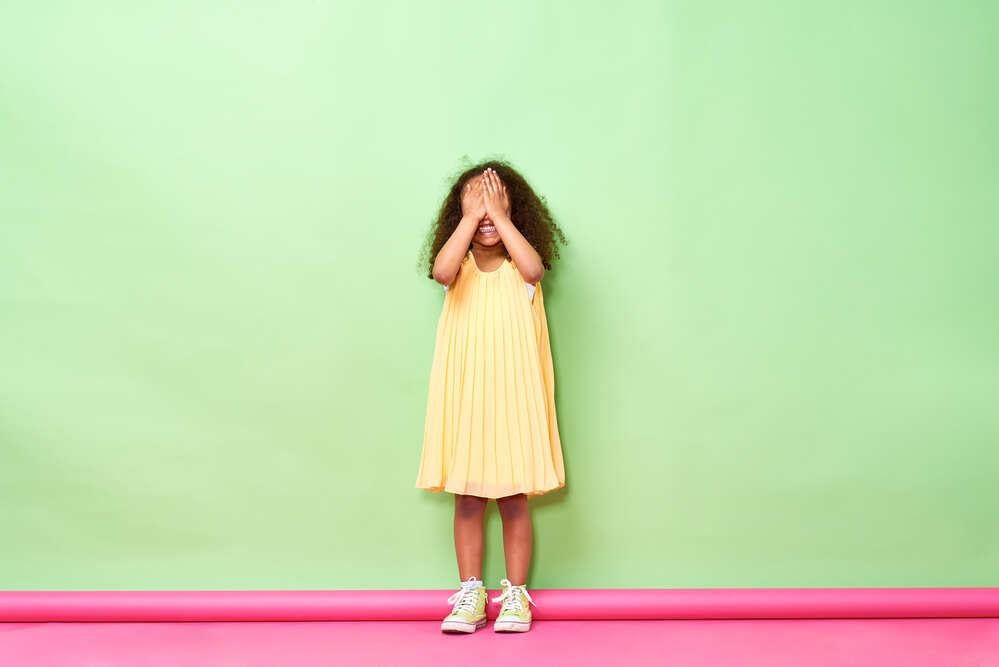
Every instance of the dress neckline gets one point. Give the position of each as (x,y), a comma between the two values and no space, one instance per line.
(487,273)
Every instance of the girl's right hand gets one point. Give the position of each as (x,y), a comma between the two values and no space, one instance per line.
(473,202)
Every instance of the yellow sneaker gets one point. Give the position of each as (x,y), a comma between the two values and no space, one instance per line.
(469,612)
(515,614)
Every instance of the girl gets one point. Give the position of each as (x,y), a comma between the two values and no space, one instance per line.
(490,429)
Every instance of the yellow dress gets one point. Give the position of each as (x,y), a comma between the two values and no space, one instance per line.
(490,428)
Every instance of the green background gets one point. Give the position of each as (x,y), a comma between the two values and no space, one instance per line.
(774,327)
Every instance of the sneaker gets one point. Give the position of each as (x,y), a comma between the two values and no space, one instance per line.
(469,612)
(515,614)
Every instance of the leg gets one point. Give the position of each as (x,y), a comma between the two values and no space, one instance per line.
(469,512)
(517,536)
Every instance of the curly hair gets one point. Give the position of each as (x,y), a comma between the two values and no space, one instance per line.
(528,211)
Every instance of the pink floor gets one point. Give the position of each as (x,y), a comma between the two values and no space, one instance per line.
(953,642)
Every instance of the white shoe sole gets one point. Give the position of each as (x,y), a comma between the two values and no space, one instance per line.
(461,626)
(511,626)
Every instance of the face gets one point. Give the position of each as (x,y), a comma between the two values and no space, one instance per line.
(486,234)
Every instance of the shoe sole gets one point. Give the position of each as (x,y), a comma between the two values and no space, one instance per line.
(461,627)
(511,626)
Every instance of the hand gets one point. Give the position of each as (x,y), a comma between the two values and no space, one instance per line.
(496,200)
(472,203)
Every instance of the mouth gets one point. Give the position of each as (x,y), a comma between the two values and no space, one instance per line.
(487,229)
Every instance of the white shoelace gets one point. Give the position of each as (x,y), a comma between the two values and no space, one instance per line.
(512,599)
(465,598)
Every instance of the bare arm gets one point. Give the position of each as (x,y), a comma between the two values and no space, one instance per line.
(497,204)
(473,209)
(521,251)
(448,260)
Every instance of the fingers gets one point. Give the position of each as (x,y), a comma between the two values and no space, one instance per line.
(491,181)
(473,189)
(488,186)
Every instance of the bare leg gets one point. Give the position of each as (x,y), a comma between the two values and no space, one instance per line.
(517,536)
(469,512)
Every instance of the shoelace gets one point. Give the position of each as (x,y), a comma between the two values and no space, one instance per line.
(512,599)
(464,599)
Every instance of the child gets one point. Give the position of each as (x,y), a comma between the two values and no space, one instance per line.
(490,429)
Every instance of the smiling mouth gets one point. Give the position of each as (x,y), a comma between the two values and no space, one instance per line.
(487,230)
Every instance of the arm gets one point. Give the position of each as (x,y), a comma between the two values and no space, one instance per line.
(526,258)
(448,260)
(497,204)
(473,209)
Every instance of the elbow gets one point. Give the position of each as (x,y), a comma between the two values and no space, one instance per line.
(442,279)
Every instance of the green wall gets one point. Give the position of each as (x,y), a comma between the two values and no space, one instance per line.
(775,326)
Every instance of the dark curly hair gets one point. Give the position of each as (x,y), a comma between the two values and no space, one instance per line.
(528,211)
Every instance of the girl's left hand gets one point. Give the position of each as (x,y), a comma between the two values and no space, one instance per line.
(494,193)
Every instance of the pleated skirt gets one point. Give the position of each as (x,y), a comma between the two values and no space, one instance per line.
(490,428)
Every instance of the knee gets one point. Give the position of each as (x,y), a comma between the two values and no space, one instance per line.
(513,507)
(468,506)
